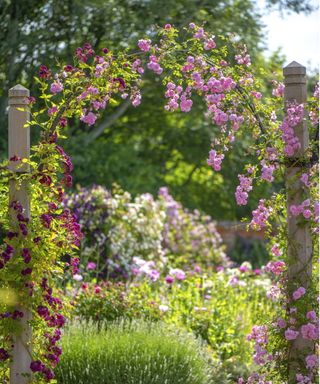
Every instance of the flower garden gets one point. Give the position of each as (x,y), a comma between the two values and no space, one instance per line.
(101,286)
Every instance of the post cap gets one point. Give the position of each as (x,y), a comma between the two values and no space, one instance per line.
(294,68)
(18,90)
(18,95)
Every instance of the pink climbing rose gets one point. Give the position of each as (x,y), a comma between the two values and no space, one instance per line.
(56,87)
(215,160)
(144,45)
(298,293)
(89,119)
(311,361)
(290,334)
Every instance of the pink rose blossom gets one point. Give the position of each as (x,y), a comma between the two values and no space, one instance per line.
(186,105)
(305,179)
(144,45)
(298,293)
(276,250)
(199,34)
(275,267)
(89,119)
(209,44)
(290,334)
(281,323)
(311,315)
(278,91)
(215,160)
(56,87)
(52,111)
(309,331)
(311,361)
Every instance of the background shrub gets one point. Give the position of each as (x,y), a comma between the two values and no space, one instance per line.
(118,228)
(135,353)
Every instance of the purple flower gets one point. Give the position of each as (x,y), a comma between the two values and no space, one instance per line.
(37,366)
(45,180)
(43,311)
(44,72)
(91,265)
(26,255)
(48,373)
(17,315)
(11,235)
(67,180)
(68,68)
(169,279)
(26,271)
(24,229)
(4,355)
(46,220)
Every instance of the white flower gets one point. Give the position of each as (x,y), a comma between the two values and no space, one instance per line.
(77,277)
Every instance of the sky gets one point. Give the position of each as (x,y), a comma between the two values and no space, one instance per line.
(296,34)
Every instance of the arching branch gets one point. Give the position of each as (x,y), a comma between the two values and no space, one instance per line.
(108,121)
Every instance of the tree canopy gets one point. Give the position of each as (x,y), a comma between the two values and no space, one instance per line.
(140,149)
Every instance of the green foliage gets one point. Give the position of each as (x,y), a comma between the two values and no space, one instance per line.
(130,354)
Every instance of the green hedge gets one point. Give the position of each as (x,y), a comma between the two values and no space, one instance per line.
(136,353)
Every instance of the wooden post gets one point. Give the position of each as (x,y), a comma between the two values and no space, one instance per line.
(299,236)
(19,145)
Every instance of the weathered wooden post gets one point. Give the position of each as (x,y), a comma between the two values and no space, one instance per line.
(19,145)
(299,236)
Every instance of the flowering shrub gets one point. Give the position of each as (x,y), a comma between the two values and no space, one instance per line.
(118,228)
(190,238)
(108,301)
